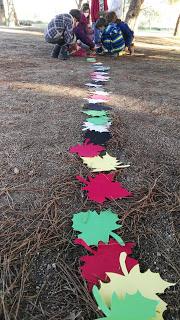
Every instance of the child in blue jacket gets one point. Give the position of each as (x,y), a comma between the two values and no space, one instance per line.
(127,33)
(112,38)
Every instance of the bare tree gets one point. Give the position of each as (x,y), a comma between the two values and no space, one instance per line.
(133,12)
(79,3)
(2,13)
(176,31)
(11,13)
(8,13)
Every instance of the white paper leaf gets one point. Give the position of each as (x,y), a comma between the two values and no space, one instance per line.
(98,128)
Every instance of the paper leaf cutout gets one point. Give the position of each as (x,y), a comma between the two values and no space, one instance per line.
(96,227)
(102,187)
(87,149)
(148,283)
(132,307)
(94,100)
(95,73)
(100,75)
(93,85)
(98,120)
(91,59)
(98,82)
(99,138)
(95,113)
(101,69)
(104,163)
(99,96)
(161,307)
(96,106)
(94,127)
(100,78)
(104,259)
(101,92)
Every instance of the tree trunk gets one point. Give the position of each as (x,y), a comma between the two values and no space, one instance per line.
(11,16)
(2,13)
(176,31)
(79,3)
(133,12)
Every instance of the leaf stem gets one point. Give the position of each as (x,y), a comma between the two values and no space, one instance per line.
(117,238)
(122,260)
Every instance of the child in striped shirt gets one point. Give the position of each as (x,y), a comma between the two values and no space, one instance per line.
(127,33)
(112,38)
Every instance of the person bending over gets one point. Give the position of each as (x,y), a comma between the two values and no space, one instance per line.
(127,33)
(112,39)
(60,32)
(81,29)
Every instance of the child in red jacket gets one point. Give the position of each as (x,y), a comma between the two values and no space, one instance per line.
(98,7)
(86,12)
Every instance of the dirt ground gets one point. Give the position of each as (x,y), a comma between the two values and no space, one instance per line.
(41,101)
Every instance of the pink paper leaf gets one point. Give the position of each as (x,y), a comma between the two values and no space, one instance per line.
(87,149)
(102,187)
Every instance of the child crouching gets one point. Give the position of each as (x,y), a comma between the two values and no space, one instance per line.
(112,38)
(127,33)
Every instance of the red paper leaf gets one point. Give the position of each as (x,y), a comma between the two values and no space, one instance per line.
(102,187)
(104,259)
(87,149)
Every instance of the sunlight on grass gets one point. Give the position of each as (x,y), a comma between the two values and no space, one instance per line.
(50,89)
(21,31)
(157,46)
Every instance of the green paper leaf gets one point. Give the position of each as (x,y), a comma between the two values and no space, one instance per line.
(96,227)
(99,301)
(96,113)
(91,59)
(98,120)
(132,307)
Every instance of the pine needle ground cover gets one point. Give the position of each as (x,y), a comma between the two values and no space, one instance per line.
(40,119)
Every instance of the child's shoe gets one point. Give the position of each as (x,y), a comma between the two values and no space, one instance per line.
(99,50)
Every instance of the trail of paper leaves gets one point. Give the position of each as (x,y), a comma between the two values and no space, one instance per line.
(124,292)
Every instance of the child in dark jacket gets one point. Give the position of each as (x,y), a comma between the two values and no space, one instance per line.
(60,32)
(98,8)
(81,29)
(127,33)
(112,38)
